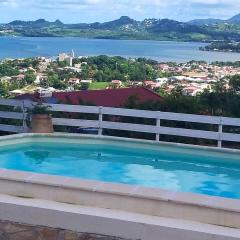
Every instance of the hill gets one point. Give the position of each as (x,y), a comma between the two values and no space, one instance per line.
(40,23)
(127,28)
(200,22)
(222,46)
(233,20)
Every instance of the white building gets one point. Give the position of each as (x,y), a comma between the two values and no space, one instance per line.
(161,81)
(65,57)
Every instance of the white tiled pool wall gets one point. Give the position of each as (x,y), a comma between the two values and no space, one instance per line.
(155,202)
(131,199)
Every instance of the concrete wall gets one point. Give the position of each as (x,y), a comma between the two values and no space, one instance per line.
(104,222)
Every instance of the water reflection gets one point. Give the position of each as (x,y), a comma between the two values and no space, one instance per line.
(212,174)
(38,156)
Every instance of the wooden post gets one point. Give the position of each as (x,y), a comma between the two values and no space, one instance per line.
(100,121)
(220,130)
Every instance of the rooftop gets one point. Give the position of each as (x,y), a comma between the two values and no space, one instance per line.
(105,98)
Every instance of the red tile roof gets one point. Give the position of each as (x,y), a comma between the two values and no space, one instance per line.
(149,82)
(108,97)
(116,81)
(105,98)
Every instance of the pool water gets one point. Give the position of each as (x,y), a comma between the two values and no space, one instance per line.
(171,168)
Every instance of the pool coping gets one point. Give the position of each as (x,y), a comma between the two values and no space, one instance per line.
(119,139)
(124,190)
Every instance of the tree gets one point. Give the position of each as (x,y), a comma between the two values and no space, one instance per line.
(85,86)
(30,77)
(4,91)
(54,81)
(234,83)
(63,63)
(7,70)
(220,86)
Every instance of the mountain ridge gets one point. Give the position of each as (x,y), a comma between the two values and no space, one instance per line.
(125,28)
(234,20)
(127,19)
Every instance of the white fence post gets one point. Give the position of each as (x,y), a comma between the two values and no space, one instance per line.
(100,121)
(24,116)
(158,124)
(220,131)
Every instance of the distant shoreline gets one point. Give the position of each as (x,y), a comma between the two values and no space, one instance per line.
(112,39)
(222,46)
(99,38)
(220,51)
(162,51)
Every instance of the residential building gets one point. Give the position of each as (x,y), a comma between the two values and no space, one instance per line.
(106,98)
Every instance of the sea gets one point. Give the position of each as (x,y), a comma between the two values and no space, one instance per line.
(162,51)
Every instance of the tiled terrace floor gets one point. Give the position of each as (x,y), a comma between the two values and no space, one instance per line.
(15,231)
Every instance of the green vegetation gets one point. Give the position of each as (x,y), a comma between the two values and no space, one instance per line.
(40,109)
(232,64)
(7,69)
(10,69)
(100,69)
(98,85)
(54,80)
(30,77)
(105,69)
(223,46)
(127,28)
(222,101)
(224,27)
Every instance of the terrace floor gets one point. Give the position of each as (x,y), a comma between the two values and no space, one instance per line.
(16,231)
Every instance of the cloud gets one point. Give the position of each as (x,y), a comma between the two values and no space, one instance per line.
(101,10)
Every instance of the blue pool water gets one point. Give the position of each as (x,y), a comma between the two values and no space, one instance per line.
(197,171)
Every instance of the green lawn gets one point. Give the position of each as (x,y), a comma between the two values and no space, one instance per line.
(98,85)
(29,88)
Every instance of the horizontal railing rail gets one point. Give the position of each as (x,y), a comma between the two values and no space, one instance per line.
(114,122)
(17,113)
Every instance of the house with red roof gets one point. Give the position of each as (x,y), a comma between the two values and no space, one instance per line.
(19,77)
(106,98)
(116,83)
(74,81)
(149,84)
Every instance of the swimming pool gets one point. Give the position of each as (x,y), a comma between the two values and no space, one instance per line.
(180,169)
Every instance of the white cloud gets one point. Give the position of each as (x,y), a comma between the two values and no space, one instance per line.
(110,9)
(119,2)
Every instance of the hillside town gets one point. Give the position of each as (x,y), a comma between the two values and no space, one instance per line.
(68,73)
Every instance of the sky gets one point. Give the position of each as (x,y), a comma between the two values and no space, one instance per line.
(77,11)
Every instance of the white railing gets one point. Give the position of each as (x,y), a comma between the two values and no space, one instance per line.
(17,113)
(116,124)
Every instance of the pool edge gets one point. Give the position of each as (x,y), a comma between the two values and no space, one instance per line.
(121,139)
(157,202)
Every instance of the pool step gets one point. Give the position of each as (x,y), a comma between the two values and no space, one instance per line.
(107,222)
